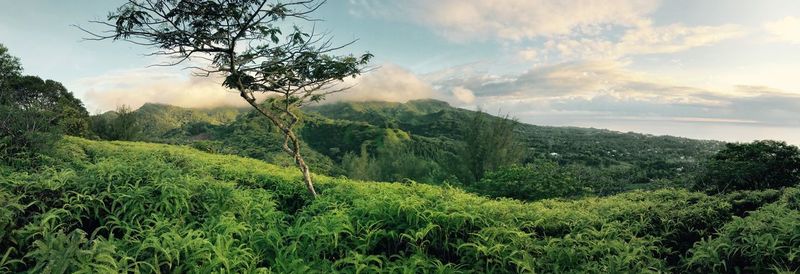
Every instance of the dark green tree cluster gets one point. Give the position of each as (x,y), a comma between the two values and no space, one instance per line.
(396,157)
(751,166)
(535,181)
(121,124)
(34,113)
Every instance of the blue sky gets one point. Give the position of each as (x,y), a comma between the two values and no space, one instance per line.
(715,69)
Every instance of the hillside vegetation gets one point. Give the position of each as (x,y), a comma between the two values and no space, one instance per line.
(107,207)
(426,141)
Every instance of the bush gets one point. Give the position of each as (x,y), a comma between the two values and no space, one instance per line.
(540,180)
(752,166)
(139,207)
(25,136)
(766,241)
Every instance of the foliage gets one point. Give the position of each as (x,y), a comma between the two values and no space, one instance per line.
(33,113)
(10,66)
(765,241)
(489,144)
(159,121)
(347,139)
(535,181)
(139,207)
(394,159)
(610,162)
(122,124)
(751,166)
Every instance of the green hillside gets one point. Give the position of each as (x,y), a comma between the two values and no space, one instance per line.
(373,140)
(102,207)
(157,120)
(589,146)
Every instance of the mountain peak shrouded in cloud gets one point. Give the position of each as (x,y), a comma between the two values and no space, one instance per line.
(388,82)
(601,63)
(136,87)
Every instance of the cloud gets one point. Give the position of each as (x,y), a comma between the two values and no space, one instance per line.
(589,91)
(528,54)
(463,95)
(784,30)
(462,20)
(388,83)
(573,79)
(136,87)
(645,39)
(555,30)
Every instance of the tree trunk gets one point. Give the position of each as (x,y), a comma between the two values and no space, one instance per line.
(294,151)
(306,173)
(301,163)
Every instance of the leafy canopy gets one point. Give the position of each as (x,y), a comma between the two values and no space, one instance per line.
(33,113)
(752,166)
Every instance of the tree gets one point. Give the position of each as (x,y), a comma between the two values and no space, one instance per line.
(9,66)
(490,143)
(751,166)
(33,113)
(122,124)
(250,43)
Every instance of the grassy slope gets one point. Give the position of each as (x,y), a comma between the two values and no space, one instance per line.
(117,206)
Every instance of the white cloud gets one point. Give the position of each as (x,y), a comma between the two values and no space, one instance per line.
(463,95)
(675,38)
(462,20)
(388,83)
(528,54)
(784,30)
(645,39)
(139,86)
(579,93)
(568,29)
(168,86)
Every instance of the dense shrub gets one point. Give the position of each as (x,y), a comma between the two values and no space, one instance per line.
(751,166)
(25,136)
(744,201)
(766,241)
(120,207)
(540,180)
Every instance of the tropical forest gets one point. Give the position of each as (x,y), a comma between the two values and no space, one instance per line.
(305,136)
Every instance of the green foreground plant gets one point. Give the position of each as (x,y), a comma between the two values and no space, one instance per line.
(136,207)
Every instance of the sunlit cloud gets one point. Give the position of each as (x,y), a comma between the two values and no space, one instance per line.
(463,95)
(167,86)
(388,82)
(784,30)
(645,39)
(135,87)
(462,20)
(579,92)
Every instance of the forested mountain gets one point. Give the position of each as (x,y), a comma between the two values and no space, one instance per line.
(426,140)
(594,147)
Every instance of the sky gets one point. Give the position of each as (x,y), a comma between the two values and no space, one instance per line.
(715,69)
